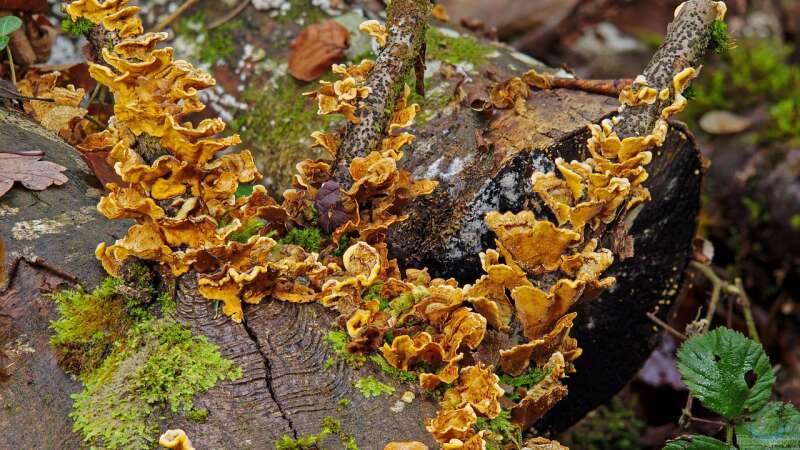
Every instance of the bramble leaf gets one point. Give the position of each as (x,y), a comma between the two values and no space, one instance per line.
(9,24)
(777,425)
(726,371)
(697,442)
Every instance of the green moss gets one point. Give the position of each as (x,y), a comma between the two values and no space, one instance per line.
(720,38)
(88,326)
(248,230)
(341,247)
(530,378)
(456,50)
(160,366)
(168,303)
(369,386)
(308,238)
(406,300)
(278,122)
(77,28)
(755,73)
(338,342)
(611,427)
(198,415)
(794,222)
(330,428)
(403,376)
(213,45)
(502,431)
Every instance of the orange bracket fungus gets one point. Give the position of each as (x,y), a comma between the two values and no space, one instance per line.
(191,222)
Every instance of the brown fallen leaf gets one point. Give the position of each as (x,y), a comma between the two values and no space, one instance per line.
(27,168)
(316,48)
(32,6)
(55,116)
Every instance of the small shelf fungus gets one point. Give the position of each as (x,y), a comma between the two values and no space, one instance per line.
(190,220)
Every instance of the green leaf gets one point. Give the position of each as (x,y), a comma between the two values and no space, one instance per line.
(726,371)
(9,24)
(777,425)
(3,41)
(697,442)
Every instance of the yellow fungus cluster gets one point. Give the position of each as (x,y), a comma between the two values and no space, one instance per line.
(187,212)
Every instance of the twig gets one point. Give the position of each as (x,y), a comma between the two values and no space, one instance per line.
(744,300)
(716,288)
(35,261)
(684,46)
(95,121)
(11,65)
(230,16)
(406,23)
(611,88)
(175,14)
(666,326)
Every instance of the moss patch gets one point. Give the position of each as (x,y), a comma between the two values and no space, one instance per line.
(278,125)
(403,376)
(501,431)
(302,12)
(89,325)
(77,28)
(754,73)
(614,426)
(456,50)
(213,45)
(369,386)
(338,342)
(160,366)
(330,428)
(308,238)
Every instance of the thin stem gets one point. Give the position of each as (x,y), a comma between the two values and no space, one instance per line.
(175,14)
(95,121)
(666,326)
(729,434)
(748,312)
(11,65)
(17,95)
(230,16)
(716,288)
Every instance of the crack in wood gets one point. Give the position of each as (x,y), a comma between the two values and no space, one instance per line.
(268,378)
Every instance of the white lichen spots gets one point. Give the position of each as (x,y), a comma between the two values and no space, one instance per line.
(605,39)
(398,407)
(15,351)
(327,6)
(511,189)
(464,69)
(448,32)
(431,172)
(222,102)
(272,5)
(590,324)
(6,210)
(494,54)
(407,397)
(29,230)
(468,242)
(432,68)
(276,69)
(454,168)
(527,60)
(94,192)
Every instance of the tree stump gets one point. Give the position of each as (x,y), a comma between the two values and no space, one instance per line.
(483,162)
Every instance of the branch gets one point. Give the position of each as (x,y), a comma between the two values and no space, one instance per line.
(405,25)
(685,45)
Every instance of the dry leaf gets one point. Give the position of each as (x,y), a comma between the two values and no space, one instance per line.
(26,168)
(316,48)
(724,122)
(33,6)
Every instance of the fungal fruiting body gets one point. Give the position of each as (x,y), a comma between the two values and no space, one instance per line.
(190,220)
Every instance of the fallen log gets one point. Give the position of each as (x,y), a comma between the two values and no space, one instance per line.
(483,162)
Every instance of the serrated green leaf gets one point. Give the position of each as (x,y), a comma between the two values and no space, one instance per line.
(777,425)
(9,24)
(717,366)
(697,442)
(3,41)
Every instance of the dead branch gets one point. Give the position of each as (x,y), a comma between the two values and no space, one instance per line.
(406,24)
(685,45)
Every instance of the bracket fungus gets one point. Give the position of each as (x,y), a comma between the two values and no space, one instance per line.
(184,201)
